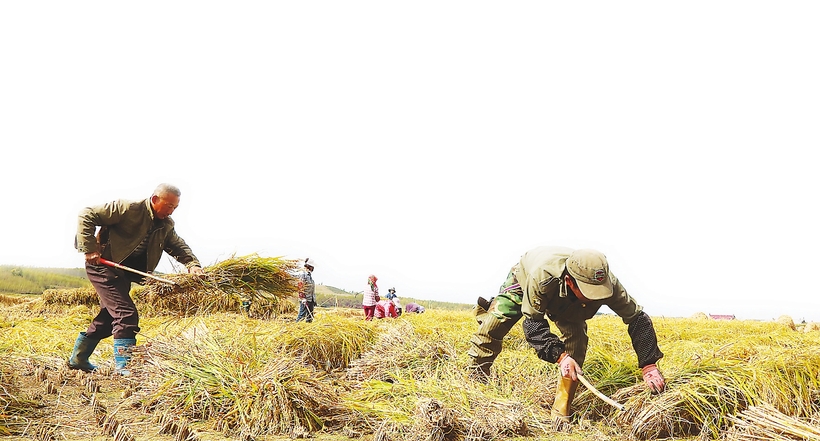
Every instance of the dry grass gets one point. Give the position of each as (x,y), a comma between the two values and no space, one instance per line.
(766,422)
(263,281)
(227,379)
(15,407)
(407,378)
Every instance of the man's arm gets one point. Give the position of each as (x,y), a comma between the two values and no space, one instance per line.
(179,250)
(642,332)
(92,217)
(547,345)
(644,340)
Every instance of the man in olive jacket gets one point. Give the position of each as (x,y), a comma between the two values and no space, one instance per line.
(568,287)
(134,234)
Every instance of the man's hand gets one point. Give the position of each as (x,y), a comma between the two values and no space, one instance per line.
(195,270)
(304,301)
(653,378)
(569,367)
(92,258)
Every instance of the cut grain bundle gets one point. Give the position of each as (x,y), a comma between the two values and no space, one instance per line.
(411,386)
(786,321)
(12,300)
(700,399)
(263,282)
(766,422)
(61,301)
(399,349)
(244,389)
(440,405)
(330,344)
(609,371)
(493,419)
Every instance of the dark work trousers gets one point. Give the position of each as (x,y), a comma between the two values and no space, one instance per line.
(118,315)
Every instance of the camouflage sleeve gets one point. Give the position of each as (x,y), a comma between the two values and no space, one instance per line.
(644,340)
(547,345)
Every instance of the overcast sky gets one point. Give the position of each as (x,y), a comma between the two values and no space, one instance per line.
(432,142)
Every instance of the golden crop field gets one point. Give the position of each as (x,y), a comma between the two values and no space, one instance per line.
(205,371)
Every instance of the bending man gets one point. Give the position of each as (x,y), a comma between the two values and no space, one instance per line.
(568,287)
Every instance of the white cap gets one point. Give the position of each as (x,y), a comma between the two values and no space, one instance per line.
(310,262)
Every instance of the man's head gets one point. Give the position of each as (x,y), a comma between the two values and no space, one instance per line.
(588,275)
(165,200)
(393,290)
(310,264)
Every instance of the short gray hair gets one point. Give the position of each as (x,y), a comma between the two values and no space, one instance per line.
(163,189)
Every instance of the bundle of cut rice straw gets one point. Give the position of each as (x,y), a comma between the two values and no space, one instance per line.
(260,282)
(765,422)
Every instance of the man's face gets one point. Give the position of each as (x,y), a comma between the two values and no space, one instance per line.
(574,288)
(164,205)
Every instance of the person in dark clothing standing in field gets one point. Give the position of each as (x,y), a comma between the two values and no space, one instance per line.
(307,292)
(133,234)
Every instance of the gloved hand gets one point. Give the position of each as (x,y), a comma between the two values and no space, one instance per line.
(569,367)
(653,378)
(304,301)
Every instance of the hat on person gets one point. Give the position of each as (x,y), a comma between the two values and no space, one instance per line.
(310,262)
(392,290)
(590,270)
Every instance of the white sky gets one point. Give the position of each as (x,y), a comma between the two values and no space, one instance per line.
(432,142)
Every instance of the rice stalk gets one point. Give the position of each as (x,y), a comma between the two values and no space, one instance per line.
(331,343)
(765,422)
(701,397)
(71,297)
(15,408)
(398,348)
(6,300)
(264,282)
(243,389)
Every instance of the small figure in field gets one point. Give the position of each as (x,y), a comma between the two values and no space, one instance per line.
(307,292)
(385,308)
(133,234)
(413,307)
(391,295)
(370,297)
(568,287)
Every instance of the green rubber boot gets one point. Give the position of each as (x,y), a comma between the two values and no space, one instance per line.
(83,348)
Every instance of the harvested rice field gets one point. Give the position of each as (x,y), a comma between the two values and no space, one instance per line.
(204,370)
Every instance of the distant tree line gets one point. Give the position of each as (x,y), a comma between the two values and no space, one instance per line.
(26,280)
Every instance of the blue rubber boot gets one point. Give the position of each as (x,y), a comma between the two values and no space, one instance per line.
(123,348)
(83,348)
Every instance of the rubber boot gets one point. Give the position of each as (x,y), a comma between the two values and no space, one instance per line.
(123,348)
(561,408)
(83,348)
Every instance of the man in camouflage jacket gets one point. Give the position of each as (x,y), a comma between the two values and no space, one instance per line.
(567,287)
